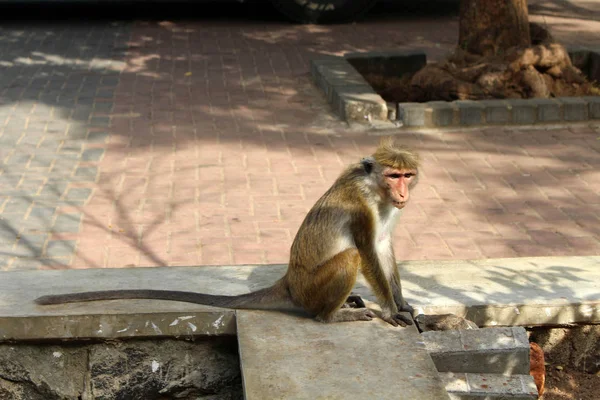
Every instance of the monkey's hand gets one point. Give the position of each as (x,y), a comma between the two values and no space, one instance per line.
(397,319)
(406,307)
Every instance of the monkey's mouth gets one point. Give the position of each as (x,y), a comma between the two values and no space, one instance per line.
(399,204)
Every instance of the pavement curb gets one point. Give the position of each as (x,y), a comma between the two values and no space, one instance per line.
(354,100)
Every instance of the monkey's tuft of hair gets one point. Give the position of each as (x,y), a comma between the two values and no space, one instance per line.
(395,155)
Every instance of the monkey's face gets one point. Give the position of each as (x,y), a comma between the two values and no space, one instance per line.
(398,182)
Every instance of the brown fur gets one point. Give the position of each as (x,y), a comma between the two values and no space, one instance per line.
(319,280)
(394,155)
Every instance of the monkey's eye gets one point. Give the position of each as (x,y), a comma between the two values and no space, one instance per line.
(394,175)
(409,175)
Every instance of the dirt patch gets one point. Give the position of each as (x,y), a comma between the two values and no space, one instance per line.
(544,70)
(572,358)
(570,385)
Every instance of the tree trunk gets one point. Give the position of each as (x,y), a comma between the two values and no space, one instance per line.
(490,27)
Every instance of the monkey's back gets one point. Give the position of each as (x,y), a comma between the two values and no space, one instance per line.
(327,229)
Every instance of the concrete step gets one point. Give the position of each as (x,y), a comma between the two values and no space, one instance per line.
(472,386)
(290,357)
(488,350)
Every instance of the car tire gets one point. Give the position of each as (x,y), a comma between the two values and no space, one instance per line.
(323,11)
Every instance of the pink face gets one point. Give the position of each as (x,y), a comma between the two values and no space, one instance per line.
(398,182)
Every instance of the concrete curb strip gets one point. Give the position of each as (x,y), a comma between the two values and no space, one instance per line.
(354,100)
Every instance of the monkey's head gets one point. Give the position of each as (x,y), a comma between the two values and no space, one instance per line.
(396,168)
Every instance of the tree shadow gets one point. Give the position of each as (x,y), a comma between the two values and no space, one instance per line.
(165,98)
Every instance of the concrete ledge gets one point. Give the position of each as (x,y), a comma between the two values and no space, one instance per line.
(494,292)
(489,386)
(489,350)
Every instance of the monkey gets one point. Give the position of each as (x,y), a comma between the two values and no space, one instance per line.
(348,230)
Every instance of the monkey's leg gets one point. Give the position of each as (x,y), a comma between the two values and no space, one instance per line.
(382,286)
(330,287)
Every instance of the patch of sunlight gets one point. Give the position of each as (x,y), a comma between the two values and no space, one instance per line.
(39,58)
(58,116)
(139,65)
(297,33)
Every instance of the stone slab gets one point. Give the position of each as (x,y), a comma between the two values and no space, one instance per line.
(498,350)
(290,357)
(526,291)
(461,386)
(491,292)
(22,319)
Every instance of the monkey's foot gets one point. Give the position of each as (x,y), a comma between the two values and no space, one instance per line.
(354,301)
(349,314)
(397,319)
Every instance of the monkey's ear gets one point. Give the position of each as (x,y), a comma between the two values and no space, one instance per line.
(367,163)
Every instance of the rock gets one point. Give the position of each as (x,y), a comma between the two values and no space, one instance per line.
(30,372)
(167,369)
(128,370)
(443,322)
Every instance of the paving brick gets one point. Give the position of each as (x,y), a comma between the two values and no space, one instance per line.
(30,245)
(86,173)
(92,155)
(60,248)
(16,205)
(53,190)
(78,194)
(97,137)
(67,223)
(42,213)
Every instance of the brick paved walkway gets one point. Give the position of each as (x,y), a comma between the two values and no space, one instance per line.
(187,143)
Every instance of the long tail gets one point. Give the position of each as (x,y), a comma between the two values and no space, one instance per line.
(274,297)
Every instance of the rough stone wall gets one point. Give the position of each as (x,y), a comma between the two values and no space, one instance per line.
(122,370)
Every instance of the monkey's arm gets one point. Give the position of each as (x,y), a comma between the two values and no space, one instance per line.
(397,292)
(396,284)
(383,288)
